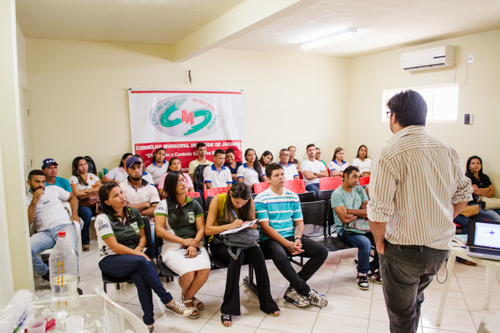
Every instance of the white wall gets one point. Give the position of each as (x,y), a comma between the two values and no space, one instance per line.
(370,75)
(79,101)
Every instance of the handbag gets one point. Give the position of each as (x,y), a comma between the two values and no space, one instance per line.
(469,211)
(359,227)
(490,203)
(90,200)
(241,240)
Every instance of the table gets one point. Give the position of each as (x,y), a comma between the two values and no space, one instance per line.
(491,267)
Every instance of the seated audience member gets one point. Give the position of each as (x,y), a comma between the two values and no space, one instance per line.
(282,227)
(138,192)
(145,175)
(201,150)
(313,170)
(265,159)
(217,175)
(46,210)
(362,162)
(349,203)
(482,187)
(229,211)
(317,157)
(290,169)
(49,168)
(158,167)
(337,165)
(117,174)
(232,164)
(85,186)
(293,160)
(180,221)
(251,172)
(121,241)
(174,165)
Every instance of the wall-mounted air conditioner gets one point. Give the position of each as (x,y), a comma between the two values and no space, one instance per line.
(435,57)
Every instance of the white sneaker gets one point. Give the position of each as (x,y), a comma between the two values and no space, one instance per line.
(291,295)
(317,299)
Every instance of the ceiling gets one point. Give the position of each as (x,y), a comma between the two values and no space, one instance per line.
(382,24)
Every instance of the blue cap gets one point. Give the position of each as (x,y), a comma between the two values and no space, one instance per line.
(48,162)
(132,160)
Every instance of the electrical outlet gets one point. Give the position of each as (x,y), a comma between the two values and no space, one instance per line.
(470,59)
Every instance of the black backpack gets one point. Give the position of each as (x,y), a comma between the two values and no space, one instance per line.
(91,164)
(198,176)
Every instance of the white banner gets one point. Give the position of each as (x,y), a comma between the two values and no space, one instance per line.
(178,119)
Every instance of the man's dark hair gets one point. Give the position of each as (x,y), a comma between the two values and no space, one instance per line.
(310,145)
(230,151)
(35,173)
(409,107)
(219,151)
(282,150)
(349,170)
(200,144)
(271,167)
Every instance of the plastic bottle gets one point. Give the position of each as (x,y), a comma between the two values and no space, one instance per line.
(100,174)
(63,275)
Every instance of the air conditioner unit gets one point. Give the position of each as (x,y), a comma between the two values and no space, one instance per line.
(436,57)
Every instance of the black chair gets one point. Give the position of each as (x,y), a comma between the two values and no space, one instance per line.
(254,195)
(200,201)
(307,196)
(207,203)
(156,262)
(326,196)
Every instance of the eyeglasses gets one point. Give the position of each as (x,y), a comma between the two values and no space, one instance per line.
(388,113)
(183,180)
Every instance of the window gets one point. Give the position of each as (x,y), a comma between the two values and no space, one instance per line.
(442,102)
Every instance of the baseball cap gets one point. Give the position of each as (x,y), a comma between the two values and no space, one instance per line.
(48,162)
(132,160)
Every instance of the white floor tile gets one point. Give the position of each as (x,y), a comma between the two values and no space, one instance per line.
(453,319)
(339,324)
(290,320)
(350,306)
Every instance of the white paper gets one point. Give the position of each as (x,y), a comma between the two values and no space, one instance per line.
(244,226)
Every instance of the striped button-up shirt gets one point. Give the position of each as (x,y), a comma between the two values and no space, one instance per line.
(414,183)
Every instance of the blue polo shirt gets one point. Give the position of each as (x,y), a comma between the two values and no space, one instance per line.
(61,182)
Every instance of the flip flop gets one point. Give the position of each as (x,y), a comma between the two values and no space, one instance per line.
(226,317)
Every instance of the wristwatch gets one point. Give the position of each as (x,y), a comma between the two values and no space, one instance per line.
(315,173)
(298,239)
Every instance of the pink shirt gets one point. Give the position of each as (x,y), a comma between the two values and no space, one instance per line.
(188,180)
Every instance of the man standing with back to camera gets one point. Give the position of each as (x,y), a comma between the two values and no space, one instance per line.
(417,187)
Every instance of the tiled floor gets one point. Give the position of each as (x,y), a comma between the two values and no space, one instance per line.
(349,310)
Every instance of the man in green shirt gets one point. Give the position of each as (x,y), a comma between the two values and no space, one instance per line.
(349,203)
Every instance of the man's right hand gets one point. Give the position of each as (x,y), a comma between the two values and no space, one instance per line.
(38,194)
(293,249)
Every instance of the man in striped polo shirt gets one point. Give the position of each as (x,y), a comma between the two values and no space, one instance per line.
(417,186)
(281,224)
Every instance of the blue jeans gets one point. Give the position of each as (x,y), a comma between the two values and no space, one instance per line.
(86,214)
(46,239)
(407,270)
(314,188)
(364,245)
(144,276)
(463,222)
(490,214)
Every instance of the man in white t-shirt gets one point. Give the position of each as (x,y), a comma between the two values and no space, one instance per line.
(312,170)
(201,150)
(290,169)
(46,210)
(217,175)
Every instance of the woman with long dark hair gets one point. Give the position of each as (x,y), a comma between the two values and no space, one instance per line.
(158,167)
(180,221)
(265,159)
(337,165)
(84,185)
(117,174)
(482,187)
(362,161)
(251,172)
(229,211)
(121,240)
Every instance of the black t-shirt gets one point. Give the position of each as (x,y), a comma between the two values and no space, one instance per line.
(234,170)
(481,182)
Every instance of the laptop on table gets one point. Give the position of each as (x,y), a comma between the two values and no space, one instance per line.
(483,240)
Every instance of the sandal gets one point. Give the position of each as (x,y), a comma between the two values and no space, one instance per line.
(86,247)
(151,328)
(195,313)
(199,304)
(274,314)
(226,317)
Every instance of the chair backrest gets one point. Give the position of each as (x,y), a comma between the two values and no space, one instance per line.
(208,200)
(193,194)
(307,196)
(198,176)
(115,315)
(214,191)
(260,187)
(329,183)
(200,201)
(295,185)
(314,212)
(364,181)
(326,196)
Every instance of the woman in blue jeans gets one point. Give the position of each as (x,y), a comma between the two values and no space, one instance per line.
(482,187)
(121,240)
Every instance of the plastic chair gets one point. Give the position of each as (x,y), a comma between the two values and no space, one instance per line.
(214,191)
(193,194)
(78,245)
(115,315)
(329,183)
(260,187)
(364,181)
(295,185)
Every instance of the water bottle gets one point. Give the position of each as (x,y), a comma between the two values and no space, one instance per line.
(100,174)
(63,275)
